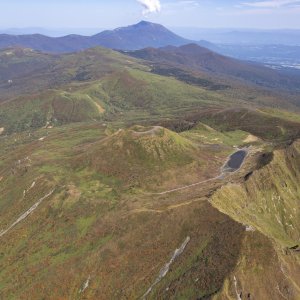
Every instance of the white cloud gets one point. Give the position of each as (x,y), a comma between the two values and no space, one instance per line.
(150,6)
(272,3)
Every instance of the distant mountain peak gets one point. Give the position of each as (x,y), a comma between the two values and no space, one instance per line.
(142,25)
(138,36)
(145,23)
(191,46)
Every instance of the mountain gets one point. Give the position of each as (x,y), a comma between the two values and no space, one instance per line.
(69,43)
(53,32)
(141,35)
(198,58)
(138,36)
(114,181)
(37,89)
(97,210)
(147,34)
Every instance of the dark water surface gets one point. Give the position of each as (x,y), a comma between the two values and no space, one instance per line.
(236,160)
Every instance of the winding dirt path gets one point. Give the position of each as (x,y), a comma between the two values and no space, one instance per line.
(151,131)
(186,186)
(224,172)
(171,207)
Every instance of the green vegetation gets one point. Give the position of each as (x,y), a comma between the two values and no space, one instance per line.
(133,159)
(208,135)
(103,85)
(268,200)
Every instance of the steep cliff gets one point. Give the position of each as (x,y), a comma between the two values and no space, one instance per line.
(267,202)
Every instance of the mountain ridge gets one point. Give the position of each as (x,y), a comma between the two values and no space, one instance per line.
(137,36)
(201,59)
(147,34)
(116,163)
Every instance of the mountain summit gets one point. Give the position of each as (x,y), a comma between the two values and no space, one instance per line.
(138,36)
(141,35)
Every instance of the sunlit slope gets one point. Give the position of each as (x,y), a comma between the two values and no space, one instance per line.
(151,157)
(269,125)
(99,84)
(93,206)
(24,71)
(97,228)
(267,201)
(194,57)
(121,95)
(86,190)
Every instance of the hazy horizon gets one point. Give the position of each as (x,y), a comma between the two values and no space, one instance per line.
(282,36)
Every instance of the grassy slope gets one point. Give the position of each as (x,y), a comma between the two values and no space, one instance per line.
(103,223)
(95,218)
(155,158)
(268,201)
(267,124)
(99,84)
(269,198)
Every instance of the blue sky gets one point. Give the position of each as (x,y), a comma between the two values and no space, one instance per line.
(176,13)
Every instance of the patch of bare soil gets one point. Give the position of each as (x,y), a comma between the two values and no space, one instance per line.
(251,139)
